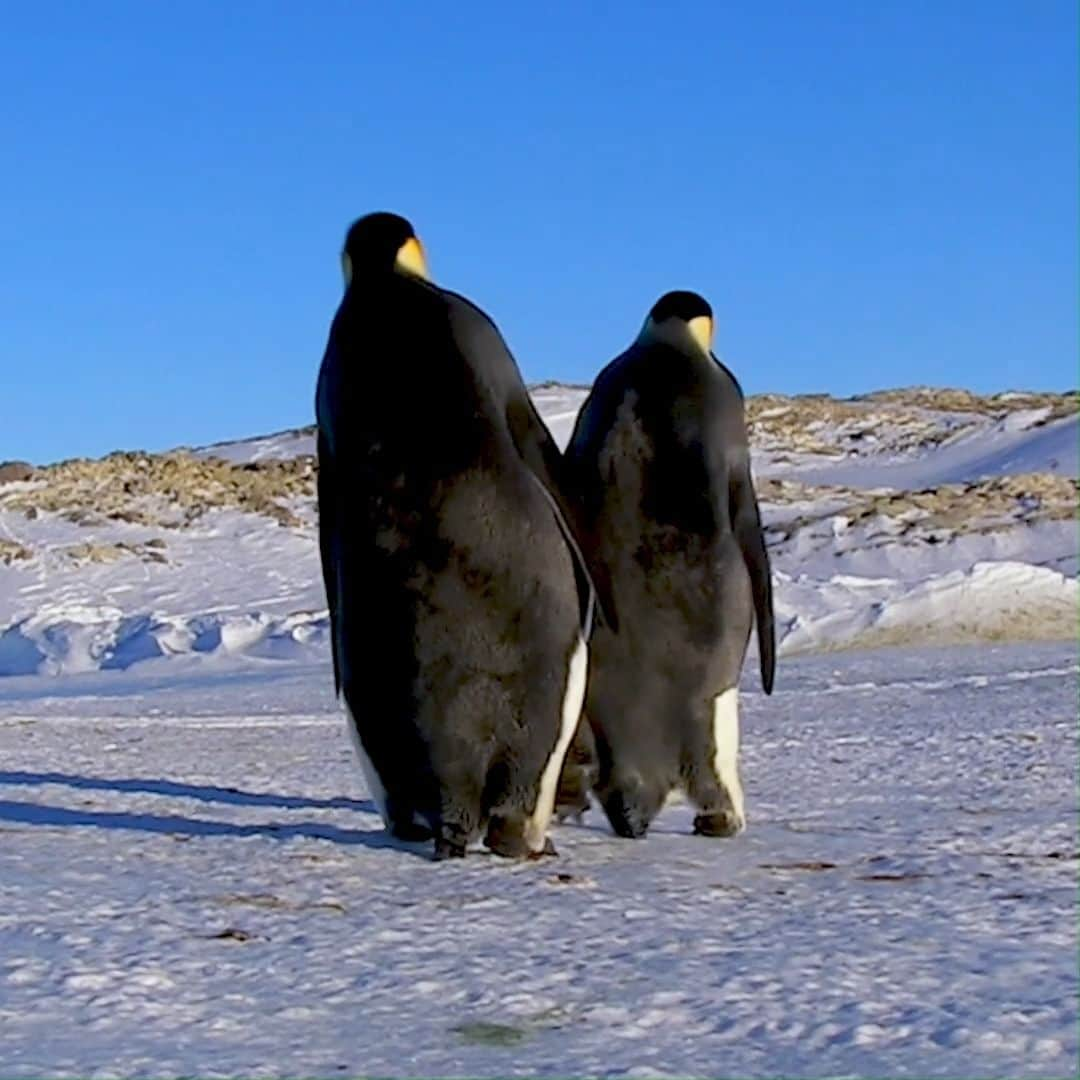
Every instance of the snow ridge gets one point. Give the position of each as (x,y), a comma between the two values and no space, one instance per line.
(906,516)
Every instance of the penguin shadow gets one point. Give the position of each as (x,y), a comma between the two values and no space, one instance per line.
(178,826)
(202,792)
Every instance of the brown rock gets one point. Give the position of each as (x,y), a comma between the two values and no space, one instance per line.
(12,472)
(10,551)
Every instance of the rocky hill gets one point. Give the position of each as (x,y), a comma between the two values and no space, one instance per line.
(865,500)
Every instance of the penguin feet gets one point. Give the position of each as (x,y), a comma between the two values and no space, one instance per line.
(448,849)
(574,810)
(547,851)
(411,832)
(405,823)
(506,837)
(571,799)
(719,823)
(451,842)
(627,816)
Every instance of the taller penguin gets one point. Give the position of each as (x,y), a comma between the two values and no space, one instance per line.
(660,461)
(457,589)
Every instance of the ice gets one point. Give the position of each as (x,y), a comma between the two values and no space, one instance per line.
(193,881)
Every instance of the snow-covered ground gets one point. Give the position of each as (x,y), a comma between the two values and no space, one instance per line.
(193,882)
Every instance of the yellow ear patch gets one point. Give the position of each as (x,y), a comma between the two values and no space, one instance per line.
(701,329)
(346,268)
(673,332)
(411,258)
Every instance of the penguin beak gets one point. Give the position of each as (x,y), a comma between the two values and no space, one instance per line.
(346,268)
(701,329)
(411,258)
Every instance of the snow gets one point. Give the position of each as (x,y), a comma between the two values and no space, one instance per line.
(282,444)
(193,881)
(233,583)
(559,406)
(992,601)
(1010,446)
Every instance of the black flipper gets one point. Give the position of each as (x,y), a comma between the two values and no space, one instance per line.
(746,524)
(328,525)
(540,453)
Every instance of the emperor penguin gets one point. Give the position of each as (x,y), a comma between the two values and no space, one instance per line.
(458,587)
(660,463)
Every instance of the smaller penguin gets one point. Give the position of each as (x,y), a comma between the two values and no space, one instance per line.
(660,462)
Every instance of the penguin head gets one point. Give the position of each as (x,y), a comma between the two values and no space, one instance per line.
(678,317)
(382,243)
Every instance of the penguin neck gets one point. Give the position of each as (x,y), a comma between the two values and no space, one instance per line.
(673,333)
(380,279)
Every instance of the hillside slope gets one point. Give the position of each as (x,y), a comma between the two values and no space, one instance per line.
(906,516)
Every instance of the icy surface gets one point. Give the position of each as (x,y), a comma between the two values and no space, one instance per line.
(192,882)
(283,444)
(1021,443)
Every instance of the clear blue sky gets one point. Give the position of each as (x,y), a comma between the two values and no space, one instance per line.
(871,193)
